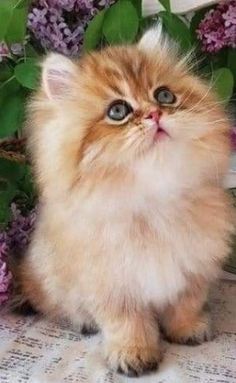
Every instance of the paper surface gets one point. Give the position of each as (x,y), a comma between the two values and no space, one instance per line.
(36,350)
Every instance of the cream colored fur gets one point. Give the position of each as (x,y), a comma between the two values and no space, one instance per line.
(128,230)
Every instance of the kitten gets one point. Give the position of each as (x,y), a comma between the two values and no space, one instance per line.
(129,149)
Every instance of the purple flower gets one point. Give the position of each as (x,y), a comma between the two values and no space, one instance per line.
(59,25)
(15,49)
(218,28)
(5,274)
(4,51)
(14,239)
(230,16)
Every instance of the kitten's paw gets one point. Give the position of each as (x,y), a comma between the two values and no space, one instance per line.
(134,361)
(193,333)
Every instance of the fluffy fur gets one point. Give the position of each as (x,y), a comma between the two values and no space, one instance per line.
(131,231)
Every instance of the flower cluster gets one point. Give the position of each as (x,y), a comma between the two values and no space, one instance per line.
(218,28)
(59,25)
(15,239)
(5,51)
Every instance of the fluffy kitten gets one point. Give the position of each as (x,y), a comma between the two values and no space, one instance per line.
(129,150)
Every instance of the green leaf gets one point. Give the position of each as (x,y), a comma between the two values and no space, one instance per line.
(93,33)
(6,197)
(20,3)
(166,5)
(5,17)
(28,74)
(11,170)
(5,212)
(27,186)
(30,52)
(121,23)
(177,29)
(17,26)
(5,72)
(223,83)
(231,59)
(218,60)
(138,5)
(12,100)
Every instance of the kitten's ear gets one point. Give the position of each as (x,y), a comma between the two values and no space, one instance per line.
(58,76)
(153,39)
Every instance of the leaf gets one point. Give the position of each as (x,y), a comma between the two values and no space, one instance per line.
(5,72)
(218,60)
(11,170)
(231,59)
(17,26)
(223,83)
(5,17)
(28,74)
(12,100)
(30,52)
(138,5)
(121,22)
(177,29)
(20,3)
(27,186)
(166,5)
(6,197)
(5,212)
(93,33)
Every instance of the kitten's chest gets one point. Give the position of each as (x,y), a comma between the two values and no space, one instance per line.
(143,248)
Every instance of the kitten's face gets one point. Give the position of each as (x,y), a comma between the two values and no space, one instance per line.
(130,101)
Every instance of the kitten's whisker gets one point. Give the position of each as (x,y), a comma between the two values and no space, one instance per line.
(210,151)
(184,100)
(204,96)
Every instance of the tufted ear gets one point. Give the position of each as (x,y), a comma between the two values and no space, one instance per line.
(57,76)
(154,39)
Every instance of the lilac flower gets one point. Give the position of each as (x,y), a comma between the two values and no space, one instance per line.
(218,28)
(59,25)
(14,239)
(20,228)
(4,51)
(16,49)
(5,274)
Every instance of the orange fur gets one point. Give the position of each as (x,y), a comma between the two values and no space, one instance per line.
(126,223)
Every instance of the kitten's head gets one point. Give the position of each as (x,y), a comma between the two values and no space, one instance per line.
(126,102)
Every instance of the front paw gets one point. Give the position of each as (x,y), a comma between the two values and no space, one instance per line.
(133,361)
(192,333)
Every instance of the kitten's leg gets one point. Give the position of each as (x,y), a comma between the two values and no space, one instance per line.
(132,343)
(187,322)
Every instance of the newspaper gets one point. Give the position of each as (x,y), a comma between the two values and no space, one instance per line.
(34,349)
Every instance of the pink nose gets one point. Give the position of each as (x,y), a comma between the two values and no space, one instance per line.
(155,116)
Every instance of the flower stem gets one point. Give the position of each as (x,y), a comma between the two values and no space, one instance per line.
(7,81)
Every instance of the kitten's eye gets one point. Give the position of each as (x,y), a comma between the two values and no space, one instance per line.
(164,96)
(118,110)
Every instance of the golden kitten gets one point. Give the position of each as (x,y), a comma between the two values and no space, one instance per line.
(129,149)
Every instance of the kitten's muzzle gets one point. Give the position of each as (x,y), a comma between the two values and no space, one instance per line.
(152,120)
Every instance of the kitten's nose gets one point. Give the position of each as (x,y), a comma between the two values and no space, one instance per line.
(154,115)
